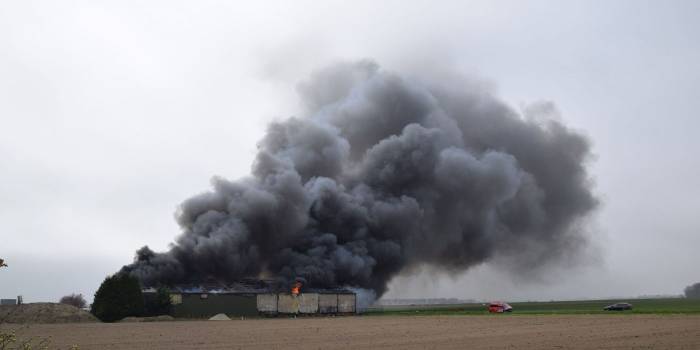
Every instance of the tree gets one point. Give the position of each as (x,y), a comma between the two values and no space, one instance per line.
(158,304)
(693,291)
(76,300)
(119,296)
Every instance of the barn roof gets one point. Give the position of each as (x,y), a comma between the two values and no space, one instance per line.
(247,286)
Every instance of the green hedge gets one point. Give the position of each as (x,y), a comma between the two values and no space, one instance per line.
(119,296)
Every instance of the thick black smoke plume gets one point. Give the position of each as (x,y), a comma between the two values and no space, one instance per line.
(381,174)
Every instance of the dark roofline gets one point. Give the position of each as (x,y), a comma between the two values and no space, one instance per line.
(248,286)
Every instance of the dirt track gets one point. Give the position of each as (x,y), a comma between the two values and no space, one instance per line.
(441,332)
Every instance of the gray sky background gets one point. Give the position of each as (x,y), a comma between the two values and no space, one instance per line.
(112,113)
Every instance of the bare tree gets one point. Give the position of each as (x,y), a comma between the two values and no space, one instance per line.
(76,300)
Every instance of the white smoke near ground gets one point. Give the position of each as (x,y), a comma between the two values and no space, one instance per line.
(364,298)
(383,173)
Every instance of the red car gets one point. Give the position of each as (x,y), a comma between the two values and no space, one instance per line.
(499,307)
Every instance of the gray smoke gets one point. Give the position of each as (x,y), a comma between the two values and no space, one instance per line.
(692,291)
(383,173)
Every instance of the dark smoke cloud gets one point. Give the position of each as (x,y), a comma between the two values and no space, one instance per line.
(383,173)
(693,291)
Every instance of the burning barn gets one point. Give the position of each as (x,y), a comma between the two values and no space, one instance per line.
(378,174)
(257,297)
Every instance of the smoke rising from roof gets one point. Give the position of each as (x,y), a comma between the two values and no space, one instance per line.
(383,173)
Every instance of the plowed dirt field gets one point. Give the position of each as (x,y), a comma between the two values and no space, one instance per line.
(385,332)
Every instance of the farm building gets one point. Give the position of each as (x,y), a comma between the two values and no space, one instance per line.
(252,298)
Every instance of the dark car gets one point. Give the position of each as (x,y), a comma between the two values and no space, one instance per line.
(618,307)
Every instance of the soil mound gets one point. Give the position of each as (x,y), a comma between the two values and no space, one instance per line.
(219,317)
(44,313)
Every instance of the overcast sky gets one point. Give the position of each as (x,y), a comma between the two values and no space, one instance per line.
(112,113)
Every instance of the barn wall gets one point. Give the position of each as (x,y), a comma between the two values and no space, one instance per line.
(328,303)
(267,303)
(308,303)
(346,303)
(287,304)
(233,305)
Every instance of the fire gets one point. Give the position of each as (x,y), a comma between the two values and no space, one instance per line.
(296,288)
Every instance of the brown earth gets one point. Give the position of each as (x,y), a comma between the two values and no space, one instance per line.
(44,313)
(388,332)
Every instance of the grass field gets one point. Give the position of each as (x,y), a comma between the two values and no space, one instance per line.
(640,306)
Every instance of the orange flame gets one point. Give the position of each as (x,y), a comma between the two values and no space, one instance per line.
(296,288)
